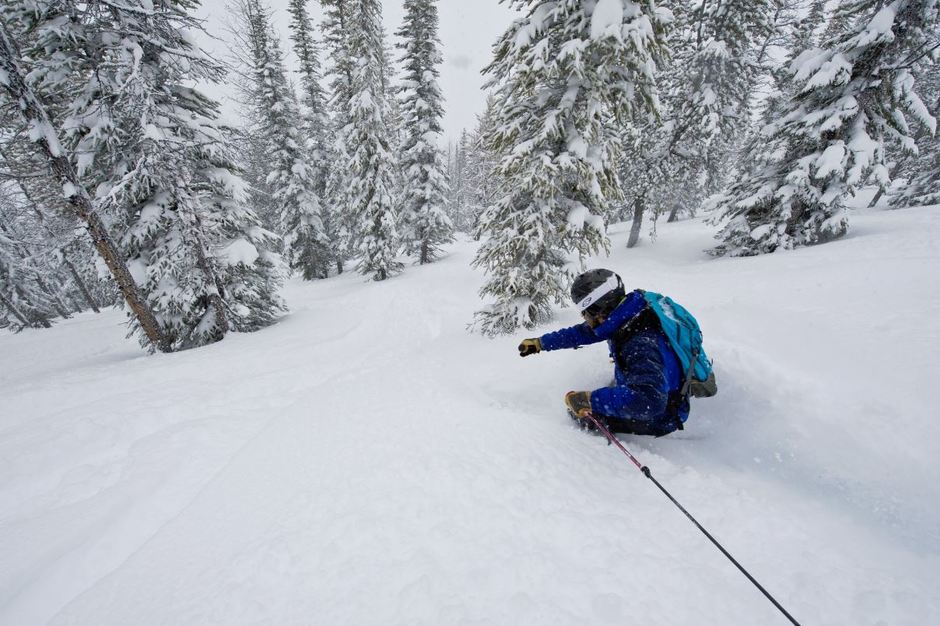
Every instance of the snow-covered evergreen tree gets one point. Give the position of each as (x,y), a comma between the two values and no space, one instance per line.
(49,230)
(714,74)
(37,116)
(480,178)
(395,125)
(565,76)
(425,225)
(60,252)
(198,250)
(371,165)
(802,34)
(317,123)
(456,173)
(316,118)
(249,269)
(338,216)
(290,175)
(336,27)
(670,164)
(27,300)
(854,95)
(22,304)
(921,170)
(152,148)
(36,262)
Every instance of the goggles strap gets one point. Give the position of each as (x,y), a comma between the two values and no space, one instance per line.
(609,285)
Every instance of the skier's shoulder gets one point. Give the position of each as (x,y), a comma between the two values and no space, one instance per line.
(569,337)
(625,320)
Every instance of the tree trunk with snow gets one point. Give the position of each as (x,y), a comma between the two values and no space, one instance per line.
(674,213)
(638,207)
(34,112)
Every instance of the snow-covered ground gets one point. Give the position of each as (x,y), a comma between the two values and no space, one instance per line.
(367,461)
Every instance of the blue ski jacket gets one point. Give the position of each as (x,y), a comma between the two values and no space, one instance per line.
(641,391)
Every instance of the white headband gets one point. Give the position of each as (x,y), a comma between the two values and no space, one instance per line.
(609,285)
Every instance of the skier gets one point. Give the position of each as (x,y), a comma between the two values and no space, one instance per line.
(645,397)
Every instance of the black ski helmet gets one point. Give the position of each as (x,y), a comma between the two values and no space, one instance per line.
(597,292)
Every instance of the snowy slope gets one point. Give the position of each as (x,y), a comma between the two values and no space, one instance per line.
(367,461)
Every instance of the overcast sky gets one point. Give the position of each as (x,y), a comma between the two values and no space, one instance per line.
(468,30)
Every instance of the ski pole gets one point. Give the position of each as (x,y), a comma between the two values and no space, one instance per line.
(601,426)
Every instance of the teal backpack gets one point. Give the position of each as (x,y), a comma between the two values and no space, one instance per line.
(685,337)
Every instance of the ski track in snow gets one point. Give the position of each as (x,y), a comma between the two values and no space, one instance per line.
(367,461)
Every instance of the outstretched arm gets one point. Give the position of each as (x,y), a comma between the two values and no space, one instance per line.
(571,337)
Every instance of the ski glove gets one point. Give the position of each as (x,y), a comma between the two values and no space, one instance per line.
(579,403)
(530,346)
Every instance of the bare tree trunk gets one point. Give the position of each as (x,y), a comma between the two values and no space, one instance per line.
(80,283)
(638,208)
(34,113)
(215,298)
(874,201)
(674,213)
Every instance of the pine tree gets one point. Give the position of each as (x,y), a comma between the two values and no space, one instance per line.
(317,123)
(22,305)
(853,97)
(64,258)
(425,224)
(26,299)
(479,180)
(707,83)
(37,115)
(921,170)
(371,166)
(338,217)
(802,37)
(152,148)
(395,125)
(316,118)
(564,77)
(35,262)
(336,26)
(716,73)
(456,174)
(289,174)
(249,269)
(49,243)
(194,244)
